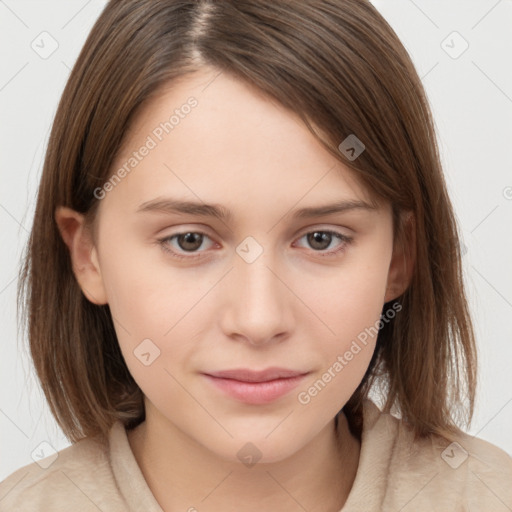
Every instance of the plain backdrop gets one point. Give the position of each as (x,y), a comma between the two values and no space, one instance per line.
(463,53)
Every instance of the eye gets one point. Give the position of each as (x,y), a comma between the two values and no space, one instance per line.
(320,240)
(186,242)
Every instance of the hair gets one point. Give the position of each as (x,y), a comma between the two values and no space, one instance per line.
(342,69)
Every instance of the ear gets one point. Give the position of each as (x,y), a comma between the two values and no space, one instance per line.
(402,260)
(84,258)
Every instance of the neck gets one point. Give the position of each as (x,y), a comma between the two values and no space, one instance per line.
(183,474)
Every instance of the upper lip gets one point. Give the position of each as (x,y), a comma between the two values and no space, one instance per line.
(246,375)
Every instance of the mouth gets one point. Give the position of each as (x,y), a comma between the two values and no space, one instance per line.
(256,387)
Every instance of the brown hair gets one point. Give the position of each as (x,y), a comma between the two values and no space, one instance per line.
(343,70)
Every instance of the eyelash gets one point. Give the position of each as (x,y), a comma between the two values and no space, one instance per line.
(346,240)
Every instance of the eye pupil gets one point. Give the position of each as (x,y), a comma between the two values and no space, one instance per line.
(192,241)
(319,237)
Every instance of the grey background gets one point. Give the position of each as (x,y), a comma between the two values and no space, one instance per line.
(471,96)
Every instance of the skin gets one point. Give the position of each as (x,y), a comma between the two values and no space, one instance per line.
(291,307)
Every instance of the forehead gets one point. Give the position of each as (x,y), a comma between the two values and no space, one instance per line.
(209,134)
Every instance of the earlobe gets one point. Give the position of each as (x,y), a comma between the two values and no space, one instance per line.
(83,253)
(402,262)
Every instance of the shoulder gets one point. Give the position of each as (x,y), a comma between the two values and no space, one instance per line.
(79,475)
(468,472)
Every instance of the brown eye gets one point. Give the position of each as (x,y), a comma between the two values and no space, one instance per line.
(179,244)
(319,240)
(189,241)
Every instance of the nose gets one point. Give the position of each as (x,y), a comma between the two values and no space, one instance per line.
(257,306)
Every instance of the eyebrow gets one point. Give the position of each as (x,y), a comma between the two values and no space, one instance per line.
(169,205)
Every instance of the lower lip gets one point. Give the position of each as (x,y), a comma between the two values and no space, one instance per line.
(256,393)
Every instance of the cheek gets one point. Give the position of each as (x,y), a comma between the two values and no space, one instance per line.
(146,295)
(157,309)
(352,298)
(350,305)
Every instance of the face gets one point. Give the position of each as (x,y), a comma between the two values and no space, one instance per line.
(258,285)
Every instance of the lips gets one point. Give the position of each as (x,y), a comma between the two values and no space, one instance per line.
(246,375)
(256,387)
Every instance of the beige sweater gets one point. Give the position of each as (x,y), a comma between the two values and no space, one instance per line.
(394,475)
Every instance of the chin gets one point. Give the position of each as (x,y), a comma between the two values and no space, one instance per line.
(257,449)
